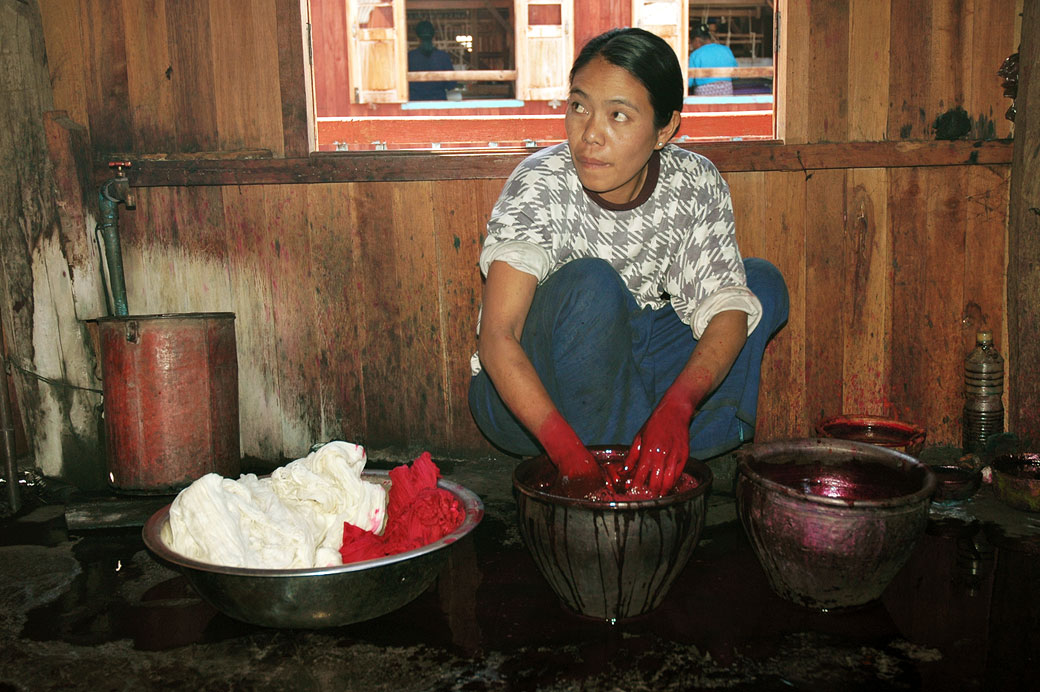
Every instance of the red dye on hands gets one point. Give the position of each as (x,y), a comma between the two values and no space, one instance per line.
(417,513)
(661,447)
(574,462)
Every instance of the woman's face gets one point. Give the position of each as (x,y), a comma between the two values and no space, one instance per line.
(610,129)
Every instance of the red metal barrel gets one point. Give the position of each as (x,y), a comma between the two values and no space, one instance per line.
(171,399)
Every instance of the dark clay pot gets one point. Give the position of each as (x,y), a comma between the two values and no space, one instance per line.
(608,560)
(831,521)
(1016,480)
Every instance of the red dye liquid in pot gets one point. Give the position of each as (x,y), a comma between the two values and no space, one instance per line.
(613,462)
(850,479)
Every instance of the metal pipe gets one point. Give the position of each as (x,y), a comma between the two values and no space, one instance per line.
(113,192)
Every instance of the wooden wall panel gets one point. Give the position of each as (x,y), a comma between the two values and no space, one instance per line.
(869,34)
(339,290)
(985,238)
(793,81)
(248,103)
(458,210)
(249,251)
(866,314)
(1023,271)
(402,342)
(592,19)
(825,299)
(783,401)
(907,209)
(108,98)
(829,68)
(926,214)
(940,335)
(295,93)
(66,58)
(289,268)
(191,73)
(993,38)
(331,83)
(908,86)
(949,44)
(149,72)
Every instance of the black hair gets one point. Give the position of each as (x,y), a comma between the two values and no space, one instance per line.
(702,31)
(424,28)
(648,58)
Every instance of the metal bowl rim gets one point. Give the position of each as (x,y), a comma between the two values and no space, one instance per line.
(922,495)
(703,474)
(471,503)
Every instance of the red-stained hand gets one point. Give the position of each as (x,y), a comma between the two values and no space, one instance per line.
(574,462)
(661,447)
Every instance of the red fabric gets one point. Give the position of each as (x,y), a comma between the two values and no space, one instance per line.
(417,513)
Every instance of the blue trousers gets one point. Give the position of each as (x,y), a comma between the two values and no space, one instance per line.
(606,362)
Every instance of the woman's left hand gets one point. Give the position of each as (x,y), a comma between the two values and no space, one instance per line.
(661,447)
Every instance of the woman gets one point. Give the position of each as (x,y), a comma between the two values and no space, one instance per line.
(616,299)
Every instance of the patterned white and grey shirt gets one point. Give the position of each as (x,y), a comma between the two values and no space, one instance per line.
(676,241)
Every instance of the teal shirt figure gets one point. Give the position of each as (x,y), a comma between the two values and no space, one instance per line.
(707,53)
(711,55)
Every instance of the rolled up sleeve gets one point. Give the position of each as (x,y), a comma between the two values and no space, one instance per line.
(729,298)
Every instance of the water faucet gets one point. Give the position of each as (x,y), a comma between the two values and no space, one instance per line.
(118,188)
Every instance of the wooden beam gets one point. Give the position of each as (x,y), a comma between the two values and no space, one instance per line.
(428,165)
(296,115)
(458,5)
(462,76)
(1023,274)
(738,72)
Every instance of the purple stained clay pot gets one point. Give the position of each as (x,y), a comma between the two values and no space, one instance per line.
(608,560)
(831,521)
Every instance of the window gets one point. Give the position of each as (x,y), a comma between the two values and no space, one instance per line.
(499,76)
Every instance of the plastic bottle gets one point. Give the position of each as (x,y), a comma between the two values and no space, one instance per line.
(983,388)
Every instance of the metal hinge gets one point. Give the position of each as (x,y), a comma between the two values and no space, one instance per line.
(776,33)
(310,45)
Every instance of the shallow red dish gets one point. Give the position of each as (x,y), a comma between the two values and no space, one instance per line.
(875,430)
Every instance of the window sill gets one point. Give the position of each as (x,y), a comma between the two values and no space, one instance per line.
(456,105)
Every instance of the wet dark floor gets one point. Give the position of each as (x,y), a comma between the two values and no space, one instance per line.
(962,615)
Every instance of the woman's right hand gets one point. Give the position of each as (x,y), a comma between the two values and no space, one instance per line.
(508,293)
(566,451)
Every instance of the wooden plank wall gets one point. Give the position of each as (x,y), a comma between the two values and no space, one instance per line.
(357,301)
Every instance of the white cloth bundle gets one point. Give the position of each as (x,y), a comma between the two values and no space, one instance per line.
(294,518)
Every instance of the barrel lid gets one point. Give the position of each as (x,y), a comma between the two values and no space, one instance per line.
(169,316)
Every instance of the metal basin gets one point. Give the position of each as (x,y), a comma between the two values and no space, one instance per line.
(831,521)
(608,560)
(318,597)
